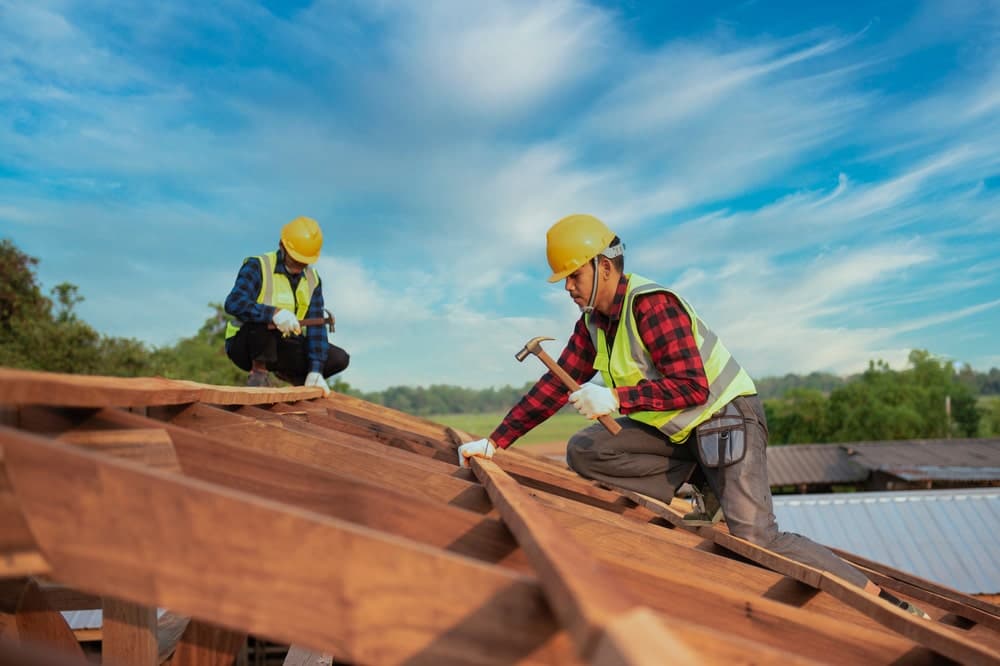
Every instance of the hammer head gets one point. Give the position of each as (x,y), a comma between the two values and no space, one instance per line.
(532,346)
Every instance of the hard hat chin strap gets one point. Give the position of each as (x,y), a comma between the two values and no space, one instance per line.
(589,307)
(610,253)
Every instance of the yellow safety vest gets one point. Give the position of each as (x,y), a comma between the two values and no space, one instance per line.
(276,290)
(628,362)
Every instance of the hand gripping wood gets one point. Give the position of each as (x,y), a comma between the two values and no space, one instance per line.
(534,346)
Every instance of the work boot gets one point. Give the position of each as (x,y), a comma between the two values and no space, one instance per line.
(258,378)
(705,508)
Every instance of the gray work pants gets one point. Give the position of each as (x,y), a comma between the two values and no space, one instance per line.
(643,459)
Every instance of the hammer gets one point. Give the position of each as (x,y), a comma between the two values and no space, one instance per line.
(534,346)
(327,321)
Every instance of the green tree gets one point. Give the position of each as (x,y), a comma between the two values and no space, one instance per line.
(801,417)
(989,424)
(910,404)
(202,357)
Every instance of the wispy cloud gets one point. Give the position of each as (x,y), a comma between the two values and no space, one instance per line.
(819,199)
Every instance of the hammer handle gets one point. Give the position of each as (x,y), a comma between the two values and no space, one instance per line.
(606,421)
(315,321)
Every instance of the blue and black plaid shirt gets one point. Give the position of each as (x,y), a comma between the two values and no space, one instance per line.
(242,304)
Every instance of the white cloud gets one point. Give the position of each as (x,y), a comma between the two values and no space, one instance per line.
(804,210)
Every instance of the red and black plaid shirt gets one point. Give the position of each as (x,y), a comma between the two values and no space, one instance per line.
(665,329)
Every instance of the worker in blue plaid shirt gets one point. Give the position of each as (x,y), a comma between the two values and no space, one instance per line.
(273,292)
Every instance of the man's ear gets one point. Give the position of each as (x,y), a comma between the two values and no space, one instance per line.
(606,267)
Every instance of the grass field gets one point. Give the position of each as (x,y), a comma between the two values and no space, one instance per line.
(559,428)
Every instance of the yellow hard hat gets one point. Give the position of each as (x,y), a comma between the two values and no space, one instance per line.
(573,241)
(302,239)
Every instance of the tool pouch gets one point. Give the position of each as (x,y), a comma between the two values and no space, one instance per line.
(722,438)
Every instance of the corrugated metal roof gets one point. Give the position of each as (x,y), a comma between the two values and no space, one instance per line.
(948,536)
(913,460)
(812,463)
(91,619)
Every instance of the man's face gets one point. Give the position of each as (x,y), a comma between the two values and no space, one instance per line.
(294,267)
(580,283)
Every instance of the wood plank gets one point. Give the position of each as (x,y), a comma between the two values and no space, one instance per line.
(590,597)
(313,581)
(626,642)
(148,446)
(949,603)
(37,622)
(583,594)
(385,434)
(32,654)
(939,638)
(128,634)
(333,494)
(204,644)
(360,460)
(638,638)
(382,414)
(532,473)
(29,387)
(447,527)
(63,598)
(921,583)
(18,555)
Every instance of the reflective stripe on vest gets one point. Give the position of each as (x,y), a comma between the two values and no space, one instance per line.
(276,290)
(629,362)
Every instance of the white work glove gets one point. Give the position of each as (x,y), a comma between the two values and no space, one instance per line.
(481,448)
(316,379)
(286,322)
(593,400)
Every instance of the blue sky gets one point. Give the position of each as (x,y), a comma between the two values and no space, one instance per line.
(820,180)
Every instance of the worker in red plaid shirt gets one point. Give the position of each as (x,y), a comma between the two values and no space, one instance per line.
(688,410)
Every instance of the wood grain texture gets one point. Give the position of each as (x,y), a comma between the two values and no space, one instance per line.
(936,589)
(204,644)
(28,387)
(34,654)
(37,622)
(939,638)
(148,446)
(140,534)
(358,459)
(128,634)
(584,595)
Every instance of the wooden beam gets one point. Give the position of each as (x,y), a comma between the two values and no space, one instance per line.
(588,597)
(36,621)
(621,545)
(331,493)
(949,603)
(204,644)
(18,555)
(128,633)
(29,387)
(32,654)
(63,598)
(940,591)
(360,460)
(149,446)
(313,581)
(582,592)
(941,639)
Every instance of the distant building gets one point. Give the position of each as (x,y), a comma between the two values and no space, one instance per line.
(895,465)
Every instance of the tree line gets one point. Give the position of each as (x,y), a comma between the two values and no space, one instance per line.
(929,399)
